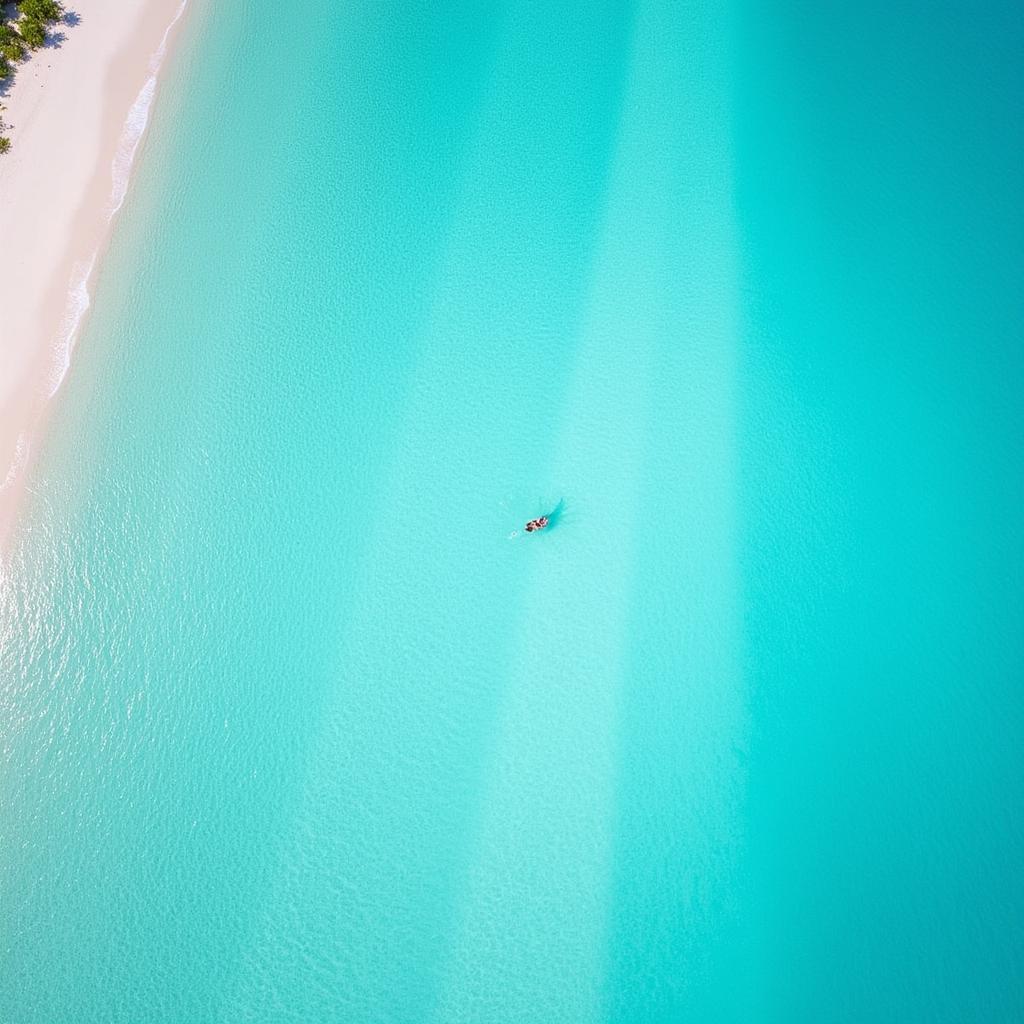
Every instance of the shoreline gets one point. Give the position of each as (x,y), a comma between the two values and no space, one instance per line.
(78,114)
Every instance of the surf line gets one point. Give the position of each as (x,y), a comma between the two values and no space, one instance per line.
(79,297)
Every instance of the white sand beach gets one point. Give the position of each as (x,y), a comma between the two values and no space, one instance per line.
(75,112)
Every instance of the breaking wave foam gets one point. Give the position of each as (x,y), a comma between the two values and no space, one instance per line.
(20,457)
(135,124)
(136,121)
(77,304)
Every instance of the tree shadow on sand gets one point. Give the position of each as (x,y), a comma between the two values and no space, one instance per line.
(55,38)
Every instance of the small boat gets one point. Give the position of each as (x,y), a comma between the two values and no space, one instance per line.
(536,524)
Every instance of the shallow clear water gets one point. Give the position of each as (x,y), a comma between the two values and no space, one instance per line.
(295,729)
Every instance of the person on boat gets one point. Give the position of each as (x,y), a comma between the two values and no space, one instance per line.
(536,524)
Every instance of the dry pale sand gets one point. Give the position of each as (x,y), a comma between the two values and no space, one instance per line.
(76,112)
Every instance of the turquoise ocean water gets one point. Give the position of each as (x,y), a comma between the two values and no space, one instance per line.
(295,729)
